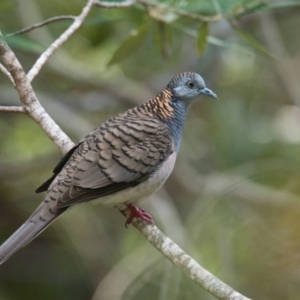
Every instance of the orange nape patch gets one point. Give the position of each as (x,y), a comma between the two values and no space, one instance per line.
(161,106)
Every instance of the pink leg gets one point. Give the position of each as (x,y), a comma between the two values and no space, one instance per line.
(138,213)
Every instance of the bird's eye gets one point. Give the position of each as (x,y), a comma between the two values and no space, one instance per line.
(191,84)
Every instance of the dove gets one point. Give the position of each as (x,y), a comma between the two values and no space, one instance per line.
(120,163)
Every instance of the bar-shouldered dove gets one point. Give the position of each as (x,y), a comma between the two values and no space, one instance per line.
(121,162)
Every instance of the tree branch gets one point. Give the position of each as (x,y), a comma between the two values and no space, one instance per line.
(105,4)
(60,41)
(38,25)
(16,109)
(31,104)
(162,7)
(184,262)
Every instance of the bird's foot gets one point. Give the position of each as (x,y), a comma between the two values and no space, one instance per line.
(139,213)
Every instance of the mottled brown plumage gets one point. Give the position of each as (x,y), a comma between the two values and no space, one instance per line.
(123,161)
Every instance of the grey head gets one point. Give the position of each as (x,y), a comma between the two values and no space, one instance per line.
(188,86)
(176,99)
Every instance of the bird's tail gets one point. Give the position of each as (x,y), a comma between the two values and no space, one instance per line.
(26,233)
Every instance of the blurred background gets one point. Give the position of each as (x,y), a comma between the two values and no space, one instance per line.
(233,200)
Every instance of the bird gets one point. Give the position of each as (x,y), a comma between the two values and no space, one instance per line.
(121,162)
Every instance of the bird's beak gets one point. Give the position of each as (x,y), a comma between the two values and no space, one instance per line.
(208,92)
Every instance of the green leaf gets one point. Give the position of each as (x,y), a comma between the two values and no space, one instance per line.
(202,38)
(130,45)
(253,42)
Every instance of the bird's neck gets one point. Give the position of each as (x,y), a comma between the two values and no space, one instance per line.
(169,111)
(176,123)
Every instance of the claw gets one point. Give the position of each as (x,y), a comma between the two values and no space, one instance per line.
(138,213)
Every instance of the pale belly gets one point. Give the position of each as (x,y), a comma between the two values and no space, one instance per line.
(144,189)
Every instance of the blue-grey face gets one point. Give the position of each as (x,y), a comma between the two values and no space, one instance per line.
(189,86)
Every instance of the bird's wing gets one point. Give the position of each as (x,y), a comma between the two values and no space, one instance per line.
(44,187)
(118,155)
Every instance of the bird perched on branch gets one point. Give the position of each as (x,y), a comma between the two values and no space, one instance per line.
(121,162)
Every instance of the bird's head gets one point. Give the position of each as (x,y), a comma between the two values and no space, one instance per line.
(188,86)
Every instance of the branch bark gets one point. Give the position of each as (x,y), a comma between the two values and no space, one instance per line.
(105,4)
(16,109)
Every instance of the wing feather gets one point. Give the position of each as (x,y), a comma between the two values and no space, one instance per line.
(117,155)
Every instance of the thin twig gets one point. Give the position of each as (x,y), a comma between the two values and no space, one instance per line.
(7,74)
(60,41)
(180,12)
(105,4)
(199,17)
(185,262)
(38,25)
(14,109)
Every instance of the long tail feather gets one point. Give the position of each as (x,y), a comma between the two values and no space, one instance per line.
(26,233)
